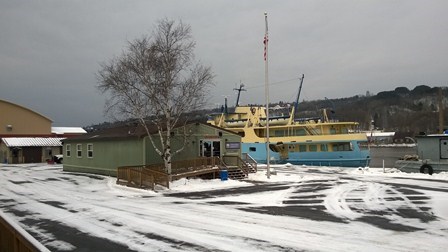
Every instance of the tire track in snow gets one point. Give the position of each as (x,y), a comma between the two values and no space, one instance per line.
(379,204)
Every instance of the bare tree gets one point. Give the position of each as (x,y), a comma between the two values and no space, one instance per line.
(156,80)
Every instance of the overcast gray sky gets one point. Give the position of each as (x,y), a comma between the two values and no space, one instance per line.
(50,51)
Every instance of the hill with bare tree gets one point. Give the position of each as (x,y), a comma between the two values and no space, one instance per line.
(401,110)
(407,112)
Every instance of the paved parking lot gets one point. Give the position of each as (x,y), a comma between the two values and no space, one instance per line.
(299,209)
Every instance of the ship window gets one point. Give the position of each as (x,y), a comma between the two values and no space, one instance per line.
(342,147)
(299,132)
(295,148)
(291,147)
(312,147)
(302,148)
(363,145)
(279,133)
(332,131)
(323,147)
(252,149)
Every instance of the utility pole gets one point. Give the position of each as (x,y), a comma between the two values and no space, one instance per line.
(441,111)
(266,80)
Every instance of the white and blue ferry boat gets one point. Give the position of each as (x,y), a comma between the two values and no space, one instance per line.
(314,141)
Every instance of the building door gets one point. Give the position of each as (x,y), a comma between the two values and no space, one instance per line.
(210,148)
(32,154)
(443,148)
(15,153)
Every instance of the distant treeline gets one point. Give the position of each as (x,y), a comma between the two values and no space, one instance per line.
(407,112)
(402,110)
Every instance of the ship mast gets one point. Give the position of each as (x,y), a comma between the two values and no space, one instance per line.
(296,105)
(239,92)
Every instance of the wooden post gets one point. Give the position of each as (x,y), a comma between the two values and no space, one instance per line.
(441,110)
(128,174)
(141,180)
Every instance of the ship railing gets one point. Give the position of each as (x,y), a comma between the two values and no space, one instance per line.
(311,130)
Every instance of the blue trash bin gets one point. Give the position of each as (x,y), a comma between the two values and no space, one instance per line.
(223,175)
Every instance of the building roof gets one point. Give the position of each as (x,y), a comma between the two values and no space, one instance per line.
(121,131)
(32,141)
(127,131)
(25,108)
(67,130)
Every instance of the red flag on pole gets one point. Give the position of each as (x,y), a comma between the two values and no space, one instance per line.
(265,42)
(266,37)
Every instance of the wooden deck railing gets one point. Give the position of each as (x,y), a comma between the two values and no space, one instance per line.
(236,161)
(15,239)
(151,175)
(250,161)
(141,177)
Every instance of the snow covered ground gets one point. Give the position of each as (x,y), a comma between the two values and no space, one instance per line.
(298,209)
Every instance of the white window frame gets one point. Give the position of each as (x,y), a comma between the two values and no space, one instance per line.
(79,150)
(90,151)
(68,150)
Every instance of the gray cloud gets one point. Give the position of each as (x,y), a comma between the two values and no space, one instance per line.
(51,50)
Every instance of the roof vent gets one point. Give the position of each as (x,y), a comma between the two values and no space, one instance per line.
(9,127)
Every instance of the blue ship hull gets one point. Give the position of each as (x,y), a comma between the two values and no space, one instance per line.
(353,158)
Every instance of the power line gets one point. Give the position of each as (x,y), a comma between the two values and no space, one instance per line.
(273,83)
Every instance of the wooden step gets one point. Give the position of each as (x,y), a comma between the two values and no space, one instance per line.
(235,173)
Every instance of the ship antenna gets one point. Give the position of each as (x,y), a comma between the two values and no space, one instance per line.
(239,92)
(296,105)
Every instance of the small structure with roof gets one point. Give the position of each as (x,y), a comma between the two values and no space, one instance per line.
(67,131)
(26,136)
(102,152)
(431,156)
(30,149)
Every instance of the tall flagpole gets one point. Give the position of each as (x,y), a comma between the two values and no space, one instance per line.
(266,81)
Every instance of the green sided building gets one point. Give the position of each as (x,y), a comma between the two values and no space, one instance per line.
(101,152)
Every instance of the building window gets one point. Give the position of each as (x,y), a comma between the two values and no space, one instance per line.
(79,150)
(252,149)
(68,150)
(90,150)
